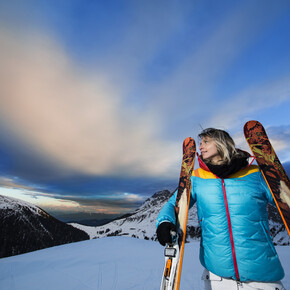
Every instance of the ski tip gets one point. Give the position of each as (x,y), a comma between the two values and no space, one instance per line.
(251,124)
(188,141)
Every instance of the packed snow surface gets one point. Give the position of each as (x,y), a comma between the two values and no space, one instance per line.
(107,263)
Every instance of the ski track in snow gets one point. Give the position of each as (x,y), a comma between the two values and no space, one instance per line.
(107,263)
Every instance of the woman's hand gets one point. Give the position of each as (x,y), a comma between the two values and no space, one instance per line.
(164,233)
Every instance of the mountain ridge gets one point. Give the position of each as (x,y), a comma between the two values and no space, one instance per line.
(25,227)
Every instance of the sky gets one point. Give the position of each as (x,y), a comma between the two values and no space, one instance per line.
(96,97)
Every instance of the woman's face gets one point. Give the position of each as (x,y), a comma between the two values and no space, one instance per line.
(208,150)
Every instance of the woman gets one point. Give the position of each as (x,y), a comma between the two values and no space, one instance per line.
(235,248)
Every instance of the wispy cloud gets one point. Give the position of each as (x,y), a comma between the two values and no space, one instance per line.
(76,119)
(280,138)
(116,202)
(113,203)
(190,92)
(11,183)
(244,105)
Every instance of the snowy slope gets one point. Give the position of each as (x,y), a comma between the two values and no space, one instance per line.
(110,263)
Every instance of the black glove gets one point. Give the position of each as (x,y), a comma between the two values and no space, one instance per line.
(163,233)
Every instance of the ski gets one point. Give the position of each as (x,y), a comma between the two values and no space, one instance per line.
(272,169)
(174,252)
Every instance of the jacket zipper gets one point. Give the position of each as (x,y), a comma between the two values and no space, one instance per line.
(228,218)
(230,231)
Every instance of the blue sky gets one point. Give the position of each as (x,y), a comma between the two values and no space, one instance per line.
(96,97)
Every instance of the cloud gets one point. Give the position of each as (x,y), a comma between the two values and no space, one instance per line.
(113,203)
(12,183)
(190,92)
(122,200)
(242,106)
(73,118)
(280,139)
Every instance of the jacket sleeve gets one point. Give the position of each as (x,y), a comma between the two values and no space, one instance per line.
(167,213)
(267,190)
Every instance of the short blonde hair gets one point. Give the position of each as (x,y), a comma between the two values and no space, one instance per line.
(224,143)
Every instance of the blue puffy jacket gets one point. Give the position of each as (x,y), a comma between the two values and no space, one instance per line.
(233,216)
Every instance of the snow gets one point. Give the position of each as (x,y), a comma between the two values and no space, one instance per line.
(17,205)
(106,263)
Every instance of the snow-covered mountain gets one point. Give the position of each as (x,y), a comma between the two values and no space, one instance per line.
(141,223)
(25,228)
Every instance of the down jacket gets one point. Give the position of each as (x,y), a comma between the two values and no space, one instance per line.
(233,216)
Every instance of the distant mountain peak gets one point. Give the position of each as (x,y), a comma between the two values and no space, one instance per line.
(25,227)
(141,223)
(14,204)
